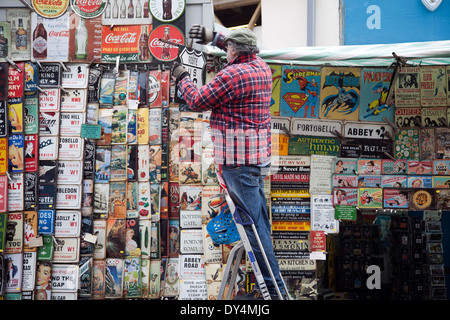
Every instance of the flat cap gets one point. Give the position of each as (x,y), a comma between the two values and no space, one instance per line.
(243,36)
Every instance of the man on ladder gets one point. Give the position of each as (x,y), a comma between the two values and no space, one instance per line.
(239,97)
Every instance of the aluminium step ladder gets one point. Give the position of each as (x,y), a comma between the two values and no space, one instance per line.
(237,252)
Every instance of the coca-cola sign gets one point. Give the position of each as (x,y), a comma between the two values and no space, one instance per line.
(167,10)
(162,50)
(88,8)
(50,8)
(123,41)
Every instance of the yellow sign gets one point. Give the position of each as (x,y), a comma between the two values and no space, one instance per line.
(50,8)
(3,155)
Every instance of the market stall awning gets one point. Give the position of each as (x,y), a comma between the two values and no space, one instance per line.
(424,53)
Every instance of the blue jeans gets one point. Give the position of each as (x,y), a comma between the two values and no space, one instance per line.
(246,188)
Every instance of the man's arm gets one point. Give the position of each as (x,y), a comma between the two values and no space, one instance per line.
(212,95)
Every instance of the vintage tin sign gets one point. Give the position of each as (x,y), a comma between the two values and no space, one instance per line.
(115,266)
(47,171)
(375,84)
(31,152)
(300,91)
(118,168)
(48,148)
(423,199)
(137,14)
(13,282)
(71,123)
(4,145)
(54,48)
(65,278)
(71,148)
(15,117)
(76,76)
(304,145)
(45,252)
(31,191)
(31,79)
(15,153)
(89,160)
(194,62)
(46,222)
(125,43)
(68,196)
(88,9)
(67,223)
(340,93)
(433,86)
(102,164)
(49,123)
(50,9)
(70,172)
(407,144)
(14,233)
(73,100)
(29,271)
(67,250)
(16,81)
(3,194)
(100,245)
(163,12)
(407,87)
(31,115)
(142,125)
(367,130)
(47,196)
(318,128)
(163,51)
(50,75)
(30,230)
(49,100)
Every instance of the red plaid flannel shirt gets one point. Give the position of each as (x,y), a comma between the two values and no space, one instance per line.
(239,97)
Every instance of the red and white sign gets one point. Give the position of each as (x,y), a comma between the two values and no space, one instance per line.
(317,240)
(3,193)
(88,8)
(161,50)
(49,100)
(15,81)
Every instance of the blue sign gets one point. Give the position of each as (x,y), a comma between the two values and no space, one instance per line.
(46,222)
(387,21)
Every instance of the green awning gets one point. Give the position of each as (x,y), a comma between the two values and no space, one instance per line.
(417,53)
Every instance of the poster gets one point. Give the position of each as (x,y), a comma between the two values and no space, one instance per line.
(433,86)
(21,35)
(276,87)
(299,92)
(370,198)
(54,48)
(322,213)
(407,144)
(407,87)
(375,84)
(340,93)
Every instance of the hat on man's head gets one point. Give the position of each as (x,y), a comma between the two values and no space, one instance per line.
(243,36)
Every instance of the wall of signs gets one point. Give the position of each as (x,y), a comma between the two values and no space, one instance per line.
(107,181)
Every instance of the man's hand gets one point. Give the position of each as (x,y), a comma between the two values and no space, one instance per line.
(200,32)
(179,72)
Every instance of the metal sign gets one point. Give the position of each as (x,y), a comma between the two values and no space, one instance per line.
(66,250)
(70,172)
(193,61)
(76,76)
(67,223)
(319,128)
(367,130)
(71,148)
(3,119)
(68,196)
(50,75)
(65,278)
(46,222)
